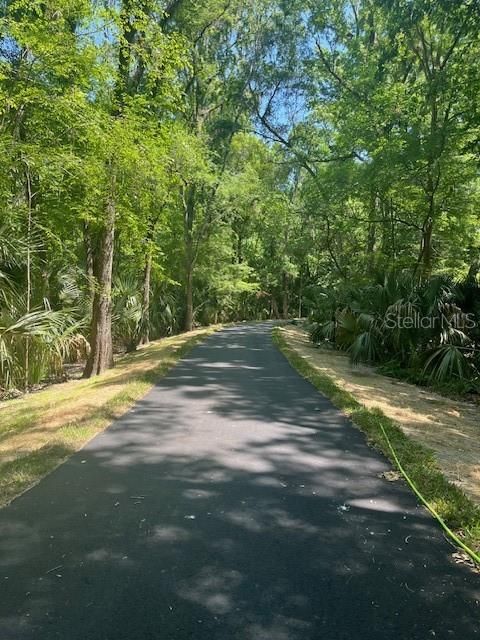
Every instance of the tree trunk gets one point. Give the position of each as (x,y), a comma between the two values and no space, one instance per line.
(239,248)
(285,296)
(300,294)
(127,83)
(145,338)
(274,313)
(426,247)
(473,271)
(188,196)
(372,232)
(29,196)
(87,241)
(189,299)
(101,349)
(425,259)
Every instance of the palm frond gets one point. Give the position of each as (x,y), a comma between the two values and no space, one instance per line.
(445,362)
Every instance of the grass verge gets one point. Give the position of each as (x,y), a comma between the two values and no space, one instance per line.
(40,431)
(418,462)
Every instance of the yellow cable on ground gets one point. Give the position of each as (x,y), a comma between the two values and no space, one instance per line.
(470,552)
(288,351)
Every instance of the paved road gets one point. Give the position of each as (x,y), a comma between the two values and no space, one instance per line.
(232,503)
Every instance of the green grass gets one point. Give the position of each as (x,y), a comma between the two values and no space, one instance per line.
(31,448)
(419,463)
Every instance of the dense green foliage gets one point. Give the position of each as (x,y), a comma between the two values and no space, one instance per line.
(426,330)
(165,164)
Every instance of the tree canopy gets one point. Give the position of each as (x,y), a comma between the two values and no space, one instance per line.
(171,163)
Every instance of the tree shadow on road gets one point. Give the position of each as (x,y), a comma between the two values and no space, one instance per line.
(233,502)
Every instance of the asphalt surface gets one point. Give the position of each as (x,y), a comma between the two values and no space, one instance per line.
(233,502)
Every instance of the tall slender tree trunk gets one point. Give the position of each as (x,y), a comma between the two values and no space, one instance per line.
(147,272)
(188,196)
(127,83)
(87,243)
(274,309)
(372,231)
(29,196)
(425,258)
(473,271)
(189,299)
(101,349)
(239,248)
(285,295)
(147,276)
(300,294)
